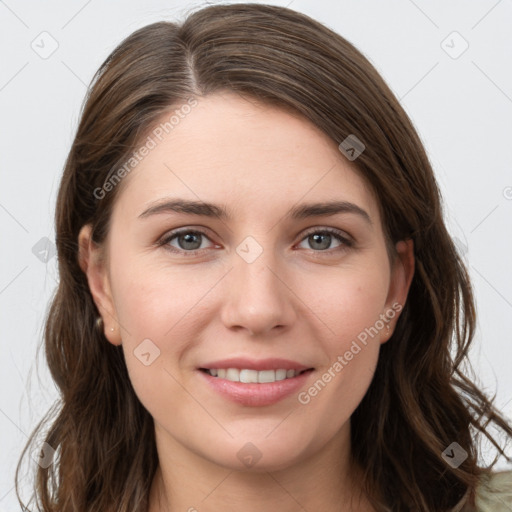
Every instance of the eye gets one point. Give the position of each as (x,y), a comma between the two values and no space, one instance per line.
(320,239)
(188,240)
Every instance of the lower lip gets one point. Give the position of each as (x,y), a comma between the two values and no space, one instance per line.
(256,395)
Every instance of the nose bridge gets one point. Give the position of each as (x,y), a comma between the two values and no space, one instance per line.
(257,298)
(255,273)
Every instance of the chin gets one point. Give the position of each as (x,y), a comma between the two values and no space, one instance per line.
(258,454)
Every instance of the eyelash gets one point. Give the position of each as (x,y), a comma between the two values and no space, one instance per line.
(346,243)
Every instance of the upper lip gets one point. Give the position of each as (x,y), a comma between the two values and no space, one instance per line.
(255,364)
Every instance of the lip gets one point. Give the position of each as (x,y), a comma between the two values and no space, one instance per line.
(253,364)
(256,395)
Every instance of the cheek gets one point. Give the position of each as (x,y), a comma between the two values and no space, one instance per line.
(348,302)
(155,311)
(153,307)
(153,299)
(351,309)
(349,306)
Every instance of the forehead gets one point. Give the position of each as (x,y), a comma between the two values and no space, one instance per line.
(237,151)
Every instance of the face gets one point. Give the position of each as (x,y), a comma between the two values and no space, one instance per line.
(268,285)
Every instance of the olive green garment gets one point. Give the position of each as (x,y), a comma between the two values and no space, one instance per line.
(494,494)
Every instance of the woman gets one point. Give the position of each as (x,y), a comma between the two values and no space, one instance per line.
(259,304)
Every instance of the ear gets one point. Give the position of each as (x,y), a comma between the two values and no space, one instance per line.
(92,262)
(402,272)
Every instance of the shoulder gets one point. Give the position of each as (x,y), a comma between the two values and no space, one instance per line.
(494,494)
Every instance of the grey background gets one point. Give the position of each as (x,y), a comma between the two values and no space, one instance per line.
(461,104)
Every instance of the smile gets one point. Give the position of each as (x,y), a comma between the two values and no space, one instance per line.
(263,389)
(248,376)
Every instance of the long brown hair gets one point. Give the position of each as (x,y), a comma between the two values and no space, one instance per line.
(420,400)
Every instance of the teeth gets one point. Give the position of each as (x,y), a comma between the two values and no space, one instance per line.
(266,376)
(281,374)
(252,376)
(233,374)
(248,376)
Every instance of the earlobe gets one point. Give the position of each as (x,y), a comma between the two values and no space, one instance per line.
(92,263)
(401,279)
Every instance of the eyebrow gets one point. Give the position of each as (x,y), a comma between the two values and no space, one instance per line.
(302,211)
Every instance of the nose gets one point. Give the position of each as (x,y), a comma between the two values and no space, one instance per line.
(257,297)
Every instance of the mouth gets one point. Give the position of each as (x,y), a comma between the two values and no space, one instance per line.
(255,387)
(249,376)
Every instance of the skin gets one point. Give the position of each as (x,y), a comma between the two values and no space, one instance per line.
(298,300)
